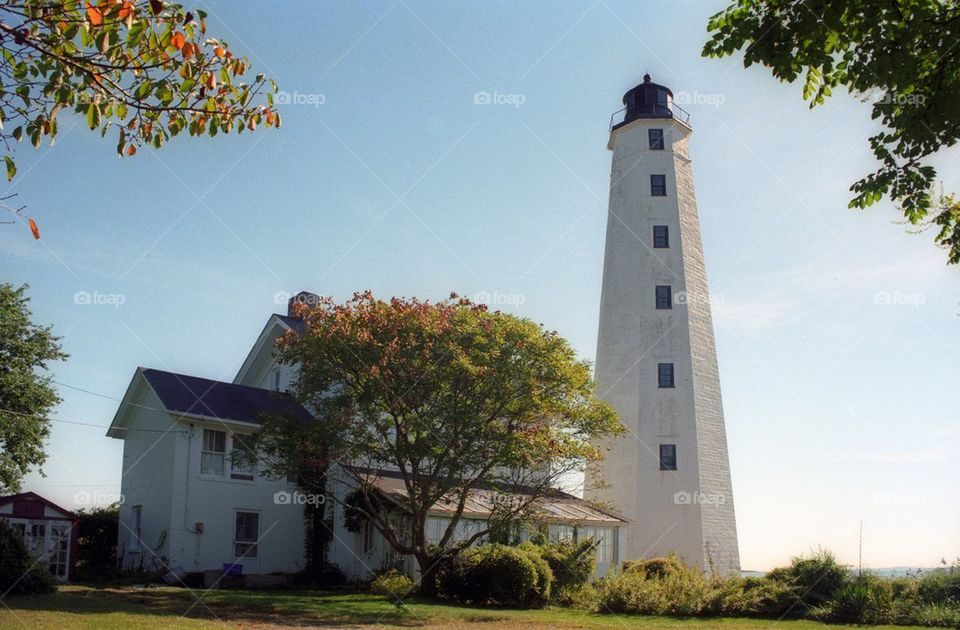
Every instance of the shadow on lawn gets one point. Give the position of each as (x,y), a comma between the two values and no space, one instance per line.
(281,608)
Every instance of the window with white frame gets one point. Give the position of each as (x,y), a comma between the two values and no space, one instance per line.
(240,470)
(368,529)
(246,534)
(214,452)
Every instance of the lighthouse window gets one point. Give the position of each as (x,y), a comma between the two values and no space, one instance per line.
(668,457)
(658,185)
(661,237)
(656,139)
(663,297)
(665,375)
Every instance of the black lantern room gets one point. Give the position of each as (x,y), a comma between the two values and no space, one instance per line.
(648,100)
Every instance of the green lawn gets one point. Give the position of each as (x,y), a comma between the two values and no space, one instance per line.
(163,607)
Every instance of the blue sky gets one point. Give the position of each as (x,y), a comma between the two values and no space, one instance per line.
(836,330)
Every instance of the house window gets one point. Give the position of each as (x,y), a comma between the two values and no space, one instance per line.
(658,185)
(214,452)
(137,522)
(58,556)
(367,537)
(247,532)
(240,470)
(276,380)
(661,237)
(655,136)
(668,457)
(664,298)
(665,374)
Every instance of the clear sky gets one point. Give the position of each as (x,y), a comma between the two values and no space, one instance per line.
(837,332)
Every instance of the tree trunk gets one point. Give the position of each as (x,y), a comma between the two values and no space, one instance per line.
(428,573)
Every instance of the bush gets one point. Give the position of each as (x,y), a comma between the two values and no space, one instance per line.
(496,574)
(20,573)
(97,544)
(325,575)
(865,599)
(572,564)
(753,597)
(654,567)
(660,586)
(939,587)
(814,580)
(393,584)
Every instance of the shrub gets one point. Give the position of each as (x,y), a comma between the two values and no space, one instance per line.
(322,576)
(20,573)
(939,587)
(572,563)
(655,567)
(864,599)
(814,580)
(495,574)
(663,587)
(545,575)
(393,584)
(753,597)
(97,544)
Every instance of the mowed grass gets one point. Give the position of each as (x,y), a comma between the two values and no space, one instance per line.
(164,607)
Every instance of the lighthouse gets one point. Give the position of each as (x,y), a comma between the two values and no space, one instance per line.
(656,364)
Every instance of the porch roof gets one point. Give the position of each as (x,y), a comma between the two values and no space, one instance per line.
(556,507)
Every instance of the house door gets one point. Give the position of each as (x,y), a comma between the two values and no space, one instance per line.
(58,552)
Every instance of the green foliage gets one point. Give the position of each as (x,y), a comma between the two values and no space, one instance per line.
(940,587)
(814,579)
(97,544)
(669,588)
(26,395)
(455,397)
(496,574)
(20,573)
(146,68)
(898,54)
(864,599)
(321,575)
(752,597)
(655,567)
(393,584)
(572,563)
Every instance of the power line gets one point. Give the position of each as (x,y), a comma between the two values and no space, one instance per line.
(83,424)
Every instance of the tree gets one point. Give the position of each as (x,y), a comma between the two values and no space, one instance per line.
(901,54)
(145,68)
(452,398)
(26,396)
(97,543)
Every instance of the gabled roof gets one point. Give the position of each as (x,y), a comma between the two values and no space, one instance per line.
(202,398)
(33,496)
(276,325)
(193,395)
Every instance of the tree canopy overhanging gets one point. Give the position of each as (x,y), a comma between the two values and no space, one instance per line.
(903,56)
(146,69)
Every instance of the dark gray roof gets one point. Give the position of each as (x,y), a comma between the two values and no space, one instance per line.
(180,393)
(292,322)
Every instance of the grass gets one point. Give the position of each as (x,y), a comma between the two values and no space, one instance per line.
(163,607)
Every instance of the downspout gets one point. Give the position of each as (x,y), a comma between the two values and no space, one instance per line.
(186,498)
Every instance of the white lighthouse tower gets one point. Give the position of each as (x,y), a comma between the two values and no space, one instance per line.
(656,358)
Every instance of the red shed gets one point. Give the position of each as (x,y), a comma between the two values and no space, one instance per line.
(49,531)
